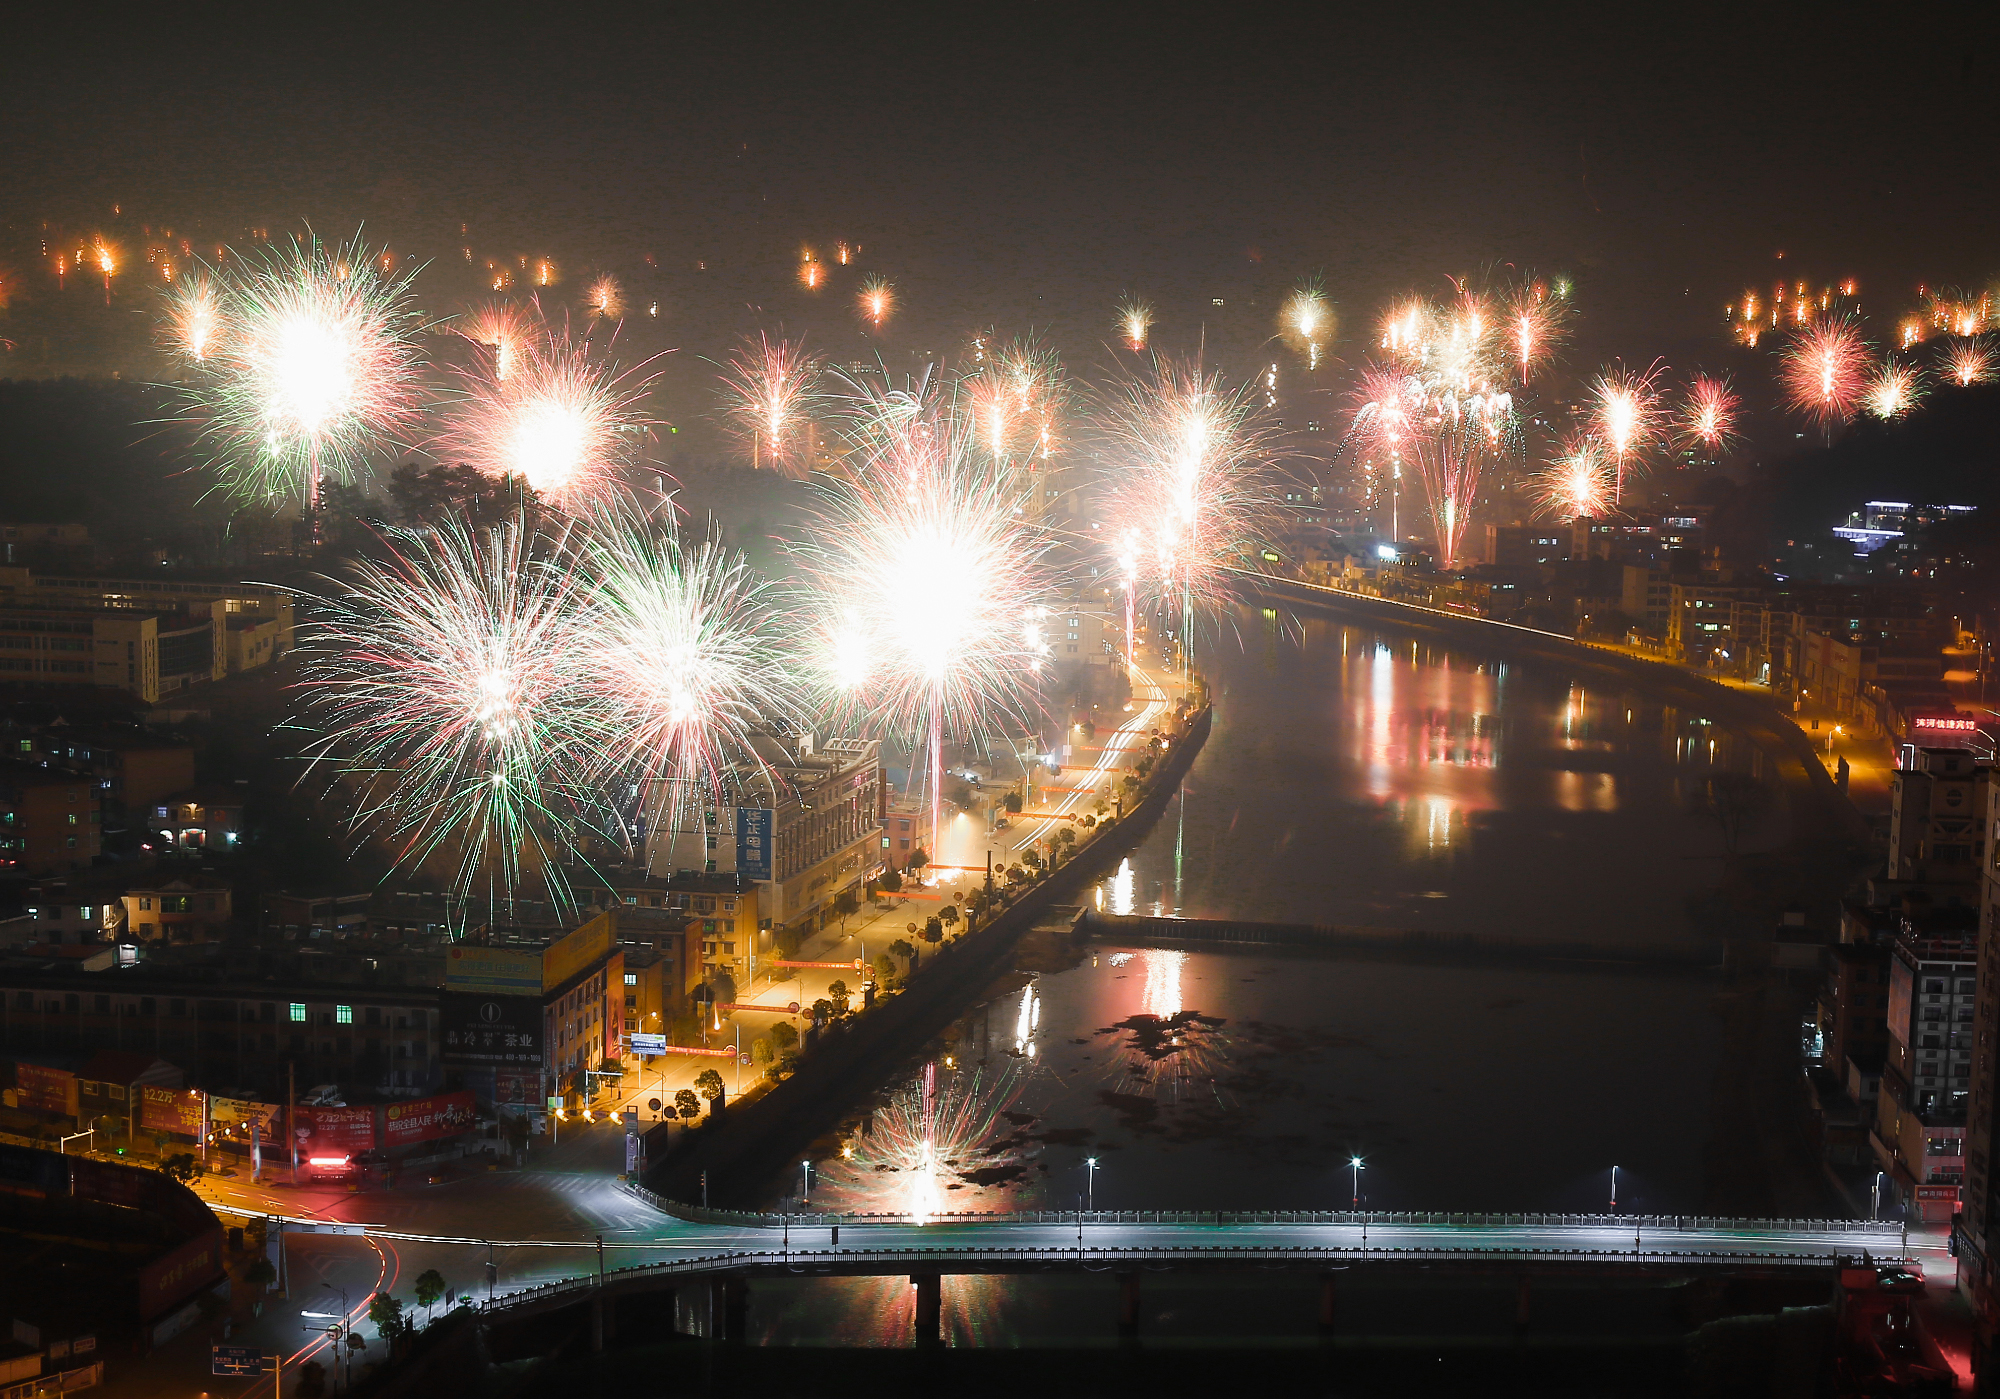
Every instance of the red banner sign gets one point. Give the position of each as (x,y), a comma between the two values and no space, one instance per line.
(43,1089)
(177,1276)
(425,1119)
(336,1131)
(169,1110)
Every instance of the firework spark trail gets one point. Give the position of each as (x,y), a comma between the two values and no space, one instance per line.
(319,367)
(441,679)
(1824,370)
(1708,417)
(1190,478)
(770,392)
(1307,321)
(1892,390)
(925,574)
(683,652)
(563,420)
(1537,321)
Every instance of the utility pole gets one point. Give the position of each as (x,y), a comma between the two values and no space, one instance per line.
(292,1115)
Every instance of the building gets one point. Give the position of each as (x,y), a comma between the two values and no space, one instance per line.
(1853,1008)
(379,1038)
(310,916)
(1520,545)
(1919,1135)
(150,636)
(700,923)
(76,910)
(1648,597)
(1937,823)
(1977,1233)
(193,909)
(528,1016)
(805,824)
(134,769)
(1088,625)
(49,821)
(208,818)
(107,1089)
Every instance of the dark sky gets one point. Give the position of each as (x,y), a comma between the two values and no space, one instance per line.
(988,156)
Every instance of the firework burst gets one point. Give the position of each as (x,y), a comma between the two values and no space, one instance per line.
(441,677)
(193,328)
(1892,390)
(1536,321)
(507,331)
(563,421)
(1626,413)
(1824,371)
(1577,483)
(1135,322)
(876,299)
(1969,362)
(604,299)
(925,574)
(1708,416)
(770,391)
(682,651)
(1436,401)
(1189,477)
(319,367)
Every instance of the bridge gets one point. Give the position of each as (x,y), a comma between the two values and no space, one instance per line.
(1128,1244)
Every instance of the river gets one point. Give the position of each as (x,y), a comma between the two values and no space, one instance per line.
(1358,777)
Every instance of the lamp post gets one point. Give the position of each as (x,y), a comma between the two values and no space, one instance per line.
(807,1167)
(1090,1183)
(338,1330)
(1614,1190)
(1356,1166)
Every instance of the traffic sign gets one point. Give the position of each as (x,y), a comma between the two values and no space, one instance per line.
(743,1058)
(235,1360)
(555,1102)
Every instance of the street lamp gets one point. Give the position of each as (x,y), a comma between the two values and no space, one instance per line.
(1614,1190)
(1356,1166)
(1090,1182)
(339,1329)
(807,1167)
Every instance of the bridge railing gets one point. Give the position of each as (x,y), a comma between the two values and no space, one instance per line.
(697,1214)
(876,1260)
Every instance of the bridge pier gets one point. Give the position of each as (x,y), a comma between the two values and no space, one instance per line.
(930,1308)
(1329,1305)
(735,1310)
(1128,1309)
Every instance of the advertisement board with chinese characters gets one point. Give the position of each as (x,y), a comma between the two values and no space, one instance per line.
(336,1131)
(43,1089)
(169,1110)
(425,1119)
(491,1032)
(754,825)
(494,971)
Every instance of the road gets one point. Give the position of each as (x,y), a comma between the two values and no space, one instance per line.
(961,868)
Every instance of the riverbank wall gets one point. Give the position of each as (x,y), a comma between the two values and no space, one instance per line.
(739,1153)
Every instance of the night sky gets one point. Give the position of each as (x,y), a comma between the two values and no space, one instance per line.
(991,156)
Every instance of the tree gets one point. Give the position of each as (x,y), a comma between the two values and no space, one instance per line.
(885,967)
(387,1314)
(430,1285)
(183,1167)
(1012,801)
(891,881)
(783,1036)
(845,904)
(837,992)
(763,1054)
(1129,783)
(1733,802)
(949,914)
(933,928)
(917,859)
(900,948)
(260,1274)
(709,1084)
(1065,836)
(1032,859)
(686,1103)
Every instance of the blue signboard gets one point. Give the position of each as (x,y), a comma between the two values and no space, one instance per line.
(646,1044)
(753,841)
(235,1360)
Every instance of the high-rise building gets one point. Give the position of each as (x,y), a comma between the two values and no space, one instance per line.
(1920,1118)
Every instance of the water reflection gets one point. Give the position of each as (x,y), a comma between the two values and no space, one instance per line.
(1163,981)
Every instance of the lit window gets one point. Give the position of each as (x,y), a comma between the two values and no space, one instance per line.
(631,978)
(298,1013)
(343,1015)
